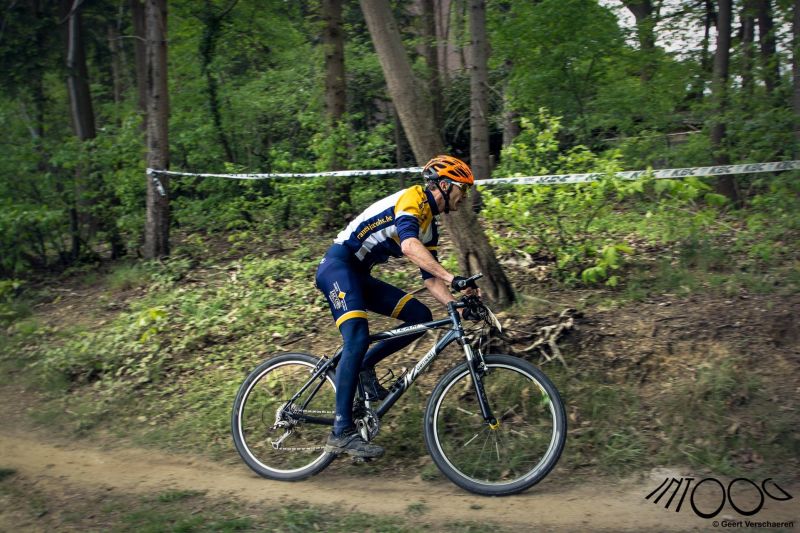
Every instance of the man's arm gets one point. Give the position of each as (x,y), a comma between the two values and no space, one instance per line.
(439,290)
(420,256)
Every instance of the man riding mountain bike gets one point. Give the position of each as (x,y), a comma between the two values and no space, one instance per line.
(399,225)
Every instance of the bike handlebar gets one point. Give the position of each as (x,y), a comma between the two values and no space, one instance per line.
(467,282)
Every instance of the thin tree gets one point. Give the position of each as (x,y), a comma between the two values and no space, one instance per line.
(431,53)
(84,209)
(770,65)
(416,114)
(719,88)
(156,234)
(644,14)
(335,101)
(746,39)
(796,75)
(140,53)
(479,94)
(212,21)
(80,107)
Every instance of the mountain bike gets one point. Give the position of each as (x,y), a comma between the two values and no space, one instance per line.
(494,424)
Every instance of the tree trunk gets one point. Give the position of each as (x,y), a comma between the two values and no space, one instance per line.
(401,146)
(642,11)
(80,100)
(335,101)
(116,68)
(431,53)
(140,52)
(747,38)
(208,45)
(719,88)
(479,96)
(156,234)
(442,8)
(460,7)
(415,110)
(796,76)
(766,38)
(511,127)
(81,113)
(698,86)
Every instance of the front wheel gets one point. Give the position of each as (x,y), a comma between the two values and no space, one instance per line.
(507,458)
(277,440)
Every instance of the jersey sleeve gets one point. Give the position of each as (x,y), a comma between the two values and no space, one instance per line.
(408,213)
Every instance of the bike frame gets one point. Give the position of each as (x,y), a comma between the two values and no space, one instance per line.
(454,333)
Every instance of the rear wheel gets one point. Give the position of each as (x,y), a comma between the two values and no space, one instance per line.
(513,456)
(260,406)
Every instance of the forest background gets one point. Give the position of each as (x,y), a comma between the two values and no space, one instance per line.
(130,308)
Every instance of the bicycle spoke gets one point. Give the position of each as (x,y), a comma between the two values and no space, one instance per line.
(294,444)
(509,452)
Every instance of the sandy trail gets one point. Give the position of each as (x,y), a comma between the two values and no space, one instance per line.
(587,506)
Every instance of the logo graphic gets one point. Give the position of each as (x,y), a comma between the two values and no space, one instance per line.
(718,490)
(336,297)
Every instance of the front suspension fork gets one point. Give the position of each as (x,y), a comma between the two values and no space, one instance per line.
(473,366)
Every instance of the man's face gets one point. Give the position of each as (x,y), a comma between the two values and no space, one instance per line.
(458,193)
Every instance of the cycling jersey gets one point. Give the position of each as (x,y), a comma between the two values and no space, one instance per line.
(376,234)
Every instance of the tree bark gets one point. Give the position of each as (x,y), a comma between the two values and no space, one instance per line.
(431,53)
(116,69)
(796,75)
(335,100)
(479,96)
(415,110)
(208,46)
(698,86)
(719,88)
(746,40)
(80,99)
(156,235)
(642,11)
(766,38)
(82,115)
(140,52)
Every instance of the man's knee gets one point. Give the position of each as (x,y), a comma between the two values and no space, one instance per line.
(415,312)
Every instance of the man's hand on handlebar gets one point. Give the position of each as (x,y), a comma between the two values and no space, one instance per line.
(467,285)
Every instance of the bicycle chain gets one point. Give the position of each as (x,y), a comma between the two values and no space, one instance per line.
(304,449)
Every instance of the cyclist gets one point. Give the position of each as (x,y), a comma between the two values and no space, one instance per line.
(399,225)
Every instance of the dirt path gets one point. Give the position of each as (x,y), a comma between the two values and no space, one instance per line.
(585,507)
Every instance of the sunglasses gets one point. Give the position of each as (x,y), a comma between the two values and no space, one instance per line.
(463,186)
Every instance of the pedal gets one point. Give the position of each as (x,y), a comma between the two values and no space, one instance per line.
(361,460)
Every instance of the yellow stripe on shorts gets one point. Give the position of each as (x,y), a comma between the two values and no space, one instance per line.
(350,314)
(400,304)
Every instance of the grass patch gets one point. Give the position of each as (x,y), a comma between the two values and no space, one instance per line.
(602,423)
(130,276)
(6,472)
(178,495)
(724,419)
(417,508)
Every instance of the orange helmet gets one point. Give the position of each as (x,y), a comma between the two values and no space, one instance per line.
(448,167)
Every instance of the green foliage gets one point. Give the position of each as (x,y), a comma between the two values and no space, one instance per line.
(11,307)
(563,223)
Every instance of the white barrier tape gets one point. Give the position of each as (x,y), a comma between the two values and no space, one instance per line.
(552,179)
(332,174)
(720,170)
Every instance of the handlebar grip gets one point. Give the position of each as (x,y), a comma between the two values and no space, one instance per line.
(460,283)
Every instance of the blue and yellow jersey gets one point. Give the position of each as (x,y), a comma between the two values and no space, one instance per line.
(375,235)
